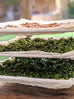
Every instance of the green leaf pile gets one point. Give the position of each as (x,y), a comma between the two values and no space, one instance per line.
(39,68)
(50,45)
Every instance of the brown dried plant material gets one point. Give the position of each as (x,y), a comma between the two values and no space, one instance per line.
(10,26)
(33,25)
(37,25)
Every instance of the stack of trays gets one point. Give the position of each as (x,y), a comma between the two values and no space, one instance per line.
(30,28)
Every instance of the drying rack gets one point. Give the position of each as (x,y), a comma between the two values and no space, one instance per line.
(45,83)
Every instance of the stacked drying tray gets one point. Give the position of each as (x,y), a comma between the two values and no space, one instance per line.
(29,28)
